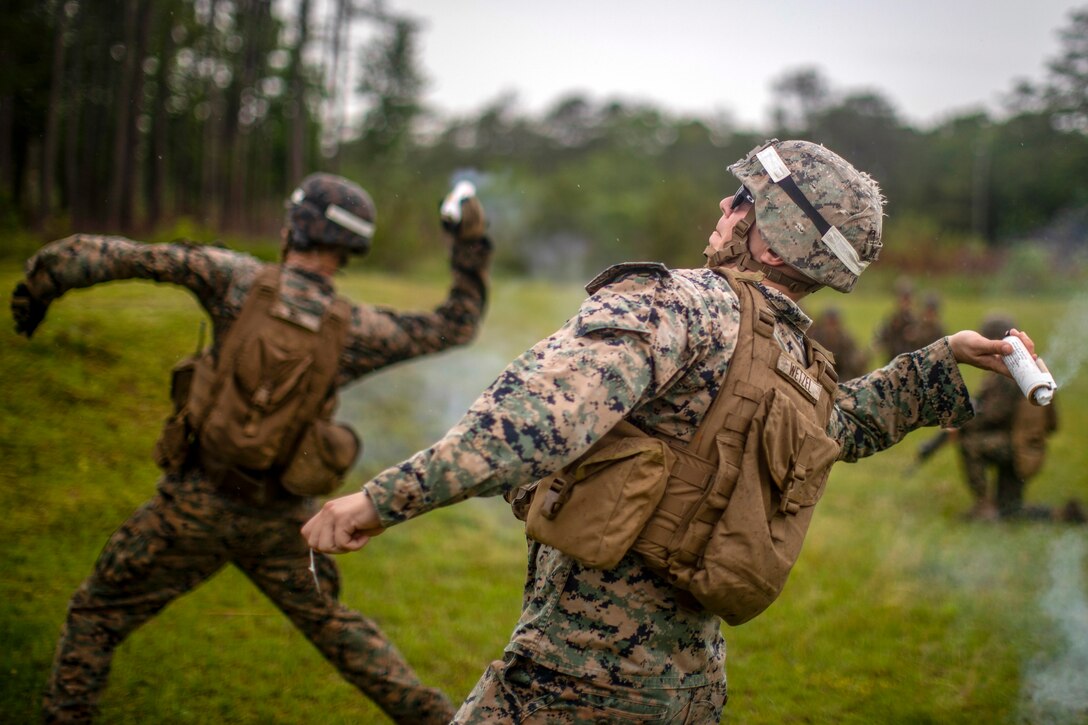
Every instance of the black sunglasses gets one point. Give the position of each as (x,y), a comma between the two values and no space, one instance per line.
(742,195)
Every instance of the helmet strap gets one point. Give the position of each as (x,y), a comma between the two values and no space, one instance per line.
(735,253)
(737,246)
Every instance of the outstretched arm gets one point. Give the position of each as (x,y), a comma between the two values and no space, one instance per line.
(84,260)
(971,348)
(921,388)
(382,336)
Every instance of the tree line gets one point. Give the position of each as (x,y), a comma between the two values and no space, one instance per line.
(126,116)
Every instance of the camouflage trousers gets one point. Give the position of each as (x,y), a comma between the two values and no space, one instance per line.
(180,538)
(989,451)
(517,690)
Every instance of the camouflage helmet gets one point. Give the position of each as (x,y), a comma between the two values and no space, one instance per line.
(330,210)
(814,210)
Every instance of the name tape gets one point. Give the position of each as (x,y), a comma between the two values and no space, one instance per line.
(792,371)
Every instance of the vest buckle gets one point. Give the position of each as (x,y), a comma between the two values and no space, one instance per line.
(556,496)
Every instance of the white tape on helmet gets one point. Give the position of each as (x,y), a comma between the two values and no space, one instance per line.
(349,221)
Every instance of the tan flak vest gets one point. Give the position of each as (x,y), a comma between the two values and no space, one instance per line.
(1031,426)
(722,517)
(257,414)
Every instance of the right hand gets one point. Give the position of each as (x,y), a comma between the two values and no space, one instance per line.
(343,524)
(473,221)
(27,310)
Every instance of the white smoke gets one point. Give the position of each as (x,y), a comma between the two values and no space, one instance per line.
(1068,346)
(402,410)
(1055,690)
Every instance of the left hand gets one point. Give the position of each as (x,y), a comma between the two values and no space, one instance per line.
(972,348)
(343,524)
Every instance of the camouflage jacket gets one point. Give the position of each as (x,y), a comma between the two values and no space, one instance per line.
(653,346)
(221,279)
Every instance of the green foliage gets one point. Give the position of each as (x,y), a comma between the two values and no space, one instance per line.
(897,611)
(227,112)
(391,85)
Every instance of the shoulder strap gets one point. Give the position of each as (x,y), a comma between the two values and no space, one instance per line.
(618,270)
(257,302)
(756,320)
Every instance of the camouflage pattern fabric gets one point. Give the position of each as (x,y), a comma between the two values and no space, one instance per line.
(847,199)
(518,690)
(190,530)
(652,346)
(221,279)
(183,536)
(986,449)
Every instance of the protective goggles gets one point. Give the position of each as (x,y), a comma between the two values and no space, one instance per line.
(742,196)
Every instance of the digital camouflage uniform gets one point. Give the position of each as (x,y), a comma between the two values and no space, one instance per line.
(190,529)
(986,444)
(653,346)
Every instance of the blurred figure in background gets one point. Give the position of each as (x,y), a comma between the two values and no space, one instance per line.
(829,330)
(1004,445)
(894,335)
(929,326)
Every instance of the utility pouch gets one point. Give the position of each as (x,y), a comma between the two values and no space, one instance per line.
(594,509)
(758,536)
(172,448)
(324,454)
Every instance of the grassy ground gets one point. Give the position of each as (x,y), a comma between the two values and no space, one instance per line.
(896,613)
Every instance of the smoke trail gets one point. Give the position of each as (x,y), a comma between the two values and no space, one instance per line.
(1068,346)
(405,409)
(1055,690)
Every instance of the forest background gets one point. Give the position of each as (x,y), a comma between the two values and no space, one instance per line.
(195,118)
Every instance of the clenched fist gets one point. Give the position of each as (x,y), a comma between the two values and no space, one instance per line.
(27,310)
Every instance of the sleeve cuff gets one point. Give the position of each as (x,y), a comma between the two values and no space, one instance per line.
(953,409)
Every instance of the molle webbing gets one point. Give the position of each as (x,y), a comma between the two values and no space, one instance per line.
(708,467)
(295,368)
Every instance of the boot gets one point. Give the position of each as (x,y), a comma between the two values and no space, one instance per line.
(983,510)
(1073,512)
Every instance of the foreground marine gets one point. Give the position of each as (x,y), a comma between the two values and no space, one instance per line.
(667,446)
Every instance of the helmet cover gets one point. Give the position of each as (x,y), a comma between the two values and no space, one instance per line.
(849,202)
(332,211)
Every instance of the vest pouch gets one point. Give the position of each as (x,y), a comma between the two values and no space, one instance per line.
(1031,426)
(172,448)
(324,454)
(259,404)
(756,541)
(594,510)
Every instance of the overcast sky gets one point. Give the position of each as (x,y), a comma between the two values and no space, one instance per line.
(929,58)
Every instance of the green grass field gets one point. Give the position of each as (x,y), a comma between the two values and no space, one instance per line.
(897,611)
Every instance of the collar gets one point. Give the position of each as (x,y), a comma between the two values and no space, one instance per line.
(786,308)
(310,275)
